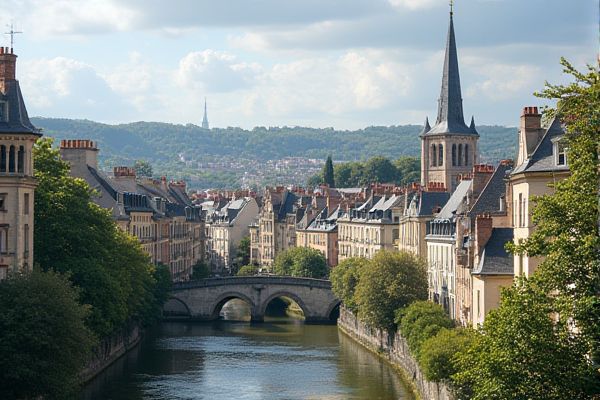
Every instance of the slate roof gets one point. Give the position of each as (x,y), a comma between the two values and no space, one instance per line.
(450,118)
(489,199)
(542,158)
(494,259)
(426,202)
(18,120)
(456,200)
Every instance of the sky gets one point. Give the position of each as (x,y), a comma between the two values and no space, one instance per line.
(345,64)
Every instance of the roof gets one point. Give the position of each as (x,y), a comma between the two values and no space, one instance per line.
(427,202)
(542,158)
(456,200)
(18,120)
(450,119)
(489,199)
(494,259)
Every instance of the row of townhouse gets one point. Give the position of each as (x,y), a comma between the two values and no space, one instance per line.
(159,213)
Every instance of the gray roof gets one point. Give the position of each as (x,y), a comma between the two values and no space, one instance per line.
(456,200)
(542,158)
(427,202)
(18,120)
(494,259)
(450,119)
(489,199)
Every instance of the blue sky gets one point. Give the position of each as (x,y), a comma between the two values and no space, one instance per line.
(341,63)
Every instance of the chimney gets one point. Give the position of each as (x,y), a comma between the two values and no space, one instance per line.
(481,175)
(530,132)
(483,231)
(80,154)
(8,67)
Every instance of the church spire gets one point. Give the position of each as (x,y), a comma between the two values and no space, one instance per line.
(450,118)
(205,118)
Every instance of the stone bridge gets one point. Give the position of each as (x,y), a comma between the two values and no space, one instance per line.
(203,300)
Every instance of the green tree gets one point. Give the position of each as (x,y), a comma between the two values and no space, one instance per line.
(391,280)
(301,262)
(200,271)
(75,236)
(344,278)
(328,173)
(243,252)
(44,342)
(248,270)
(380,169)
(420,321)
(342,175)
(523,352)
(408,170)
(143,168)
(437,356)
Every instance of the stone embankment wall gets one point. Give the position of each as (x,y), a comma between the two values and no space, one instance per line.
(110,349)
(395,349)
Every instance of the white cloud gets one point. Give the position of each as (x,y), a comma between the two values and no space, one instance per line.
(415,4)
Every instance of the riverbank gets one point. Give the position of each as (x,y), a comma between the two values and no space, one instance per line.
(393,348)
(110,350)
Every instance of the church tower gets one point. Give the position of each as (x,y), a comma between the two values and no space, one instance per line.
(17,185)
(205,118)
(449,148)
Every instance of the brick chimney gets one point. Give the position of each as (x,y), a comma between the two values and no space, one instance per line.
(8,67)
(483,231)
(481,175)
(126,178)
(80,154)
(530,132)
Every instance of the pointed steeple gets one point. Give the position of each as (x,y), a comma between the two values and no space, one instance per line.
(450,118)
(472,126)
(426,127)
(205,118)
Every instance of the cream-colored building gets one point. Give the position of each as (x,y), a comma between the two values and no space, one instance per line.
(226,229)
(17,184)
(541,161)
(322,235)
(371,227)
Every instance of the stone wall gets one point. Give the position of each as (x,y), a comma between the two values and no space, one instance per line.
(395,349)
(110,349)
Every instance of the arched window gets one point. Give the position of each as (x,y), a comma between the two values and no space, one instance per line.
(433,156)
(453,155)
(21,159)
(11,159)
(460,159)
(441,156)
(3,158)
(467,154)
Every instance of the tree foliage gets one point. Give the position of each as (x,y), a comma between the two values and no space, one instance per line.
(200,271)
(420,321)
(523,352)
(438,354)
(75,236)
(391,280)
(301,262)
(328,174)
(248,270)
(243,252)
(344,278)
(44,342)
(143,168)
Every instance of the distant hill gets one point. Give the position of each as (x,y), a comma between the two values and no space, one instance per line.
(181,150)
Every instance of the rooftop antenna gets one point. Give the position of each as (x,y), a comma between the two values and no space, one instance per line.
(451,7)
(12,34)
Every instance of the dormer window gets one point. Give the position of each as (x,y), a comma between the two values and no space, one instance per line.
(3,111)
(559,149)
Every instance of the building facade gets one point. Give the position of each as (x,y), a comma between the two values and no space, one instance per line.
(17,184)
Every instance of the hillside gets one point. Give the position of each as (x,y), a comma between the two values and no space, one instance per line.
(229,157)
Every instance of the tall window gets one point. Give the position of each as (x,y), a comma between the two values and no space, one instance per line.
(11,159)
(3,239)
(460,154)
(467,154)
(21,159)
(561,153)
(26,204)
(441,155)
(3,158)
(433,155)
(26,241)
(453,155)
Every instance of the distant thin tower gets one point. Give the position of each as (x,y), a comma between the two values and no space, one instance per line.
(205,118)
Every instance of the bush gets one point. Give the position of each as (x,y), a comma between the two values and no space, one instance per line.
(200,271)
(44,342)
(421,321)
(301,262)
(437,356)
(344,278)
(248,270)
(391,280)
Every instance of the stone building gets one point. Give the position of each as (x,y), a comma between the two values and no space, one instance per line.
(158,213)
(370,227)
(449,148)
(17,184)
(226,228)
(541,160)
(322,235)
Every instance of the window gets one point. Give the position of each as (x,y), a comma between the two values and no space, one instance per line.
(460,153)
(467,154)
(21,159)
(26,241)
(3,201)
(26,204)
(478,304)
(3,158)
(433,155)
(11,159)
(561,153)
(520,209)
(453,155)
(3,239)
(441,156)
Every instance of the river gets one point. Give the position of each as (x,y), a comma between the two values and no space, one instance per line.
(281,358)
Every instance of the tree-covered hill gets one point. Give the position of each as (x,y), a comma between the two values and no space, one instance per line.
(180,150)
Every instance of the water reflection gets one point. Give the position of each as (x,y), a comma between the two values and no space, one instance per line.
(278,359)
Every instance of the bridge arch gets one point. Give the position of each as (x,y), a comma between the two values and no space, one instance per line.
(285,293)
(175,307)
(218,304)
(333,310)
